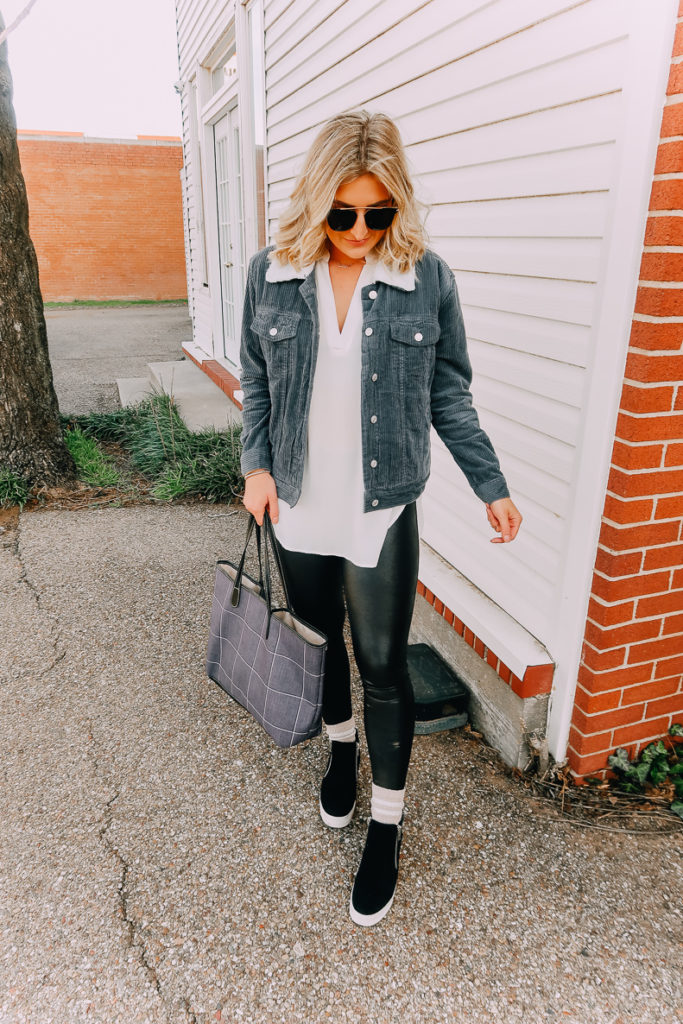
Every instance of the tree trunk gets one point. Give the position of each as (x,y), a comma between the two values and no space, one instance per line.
(31,441)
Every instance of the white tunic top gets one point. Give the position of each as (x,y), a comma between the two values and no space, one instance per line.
(328,518)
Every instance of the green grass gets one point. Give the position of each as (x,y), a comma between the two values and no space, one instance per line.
(93,466)
(113,303)
(179,462)
(13,490)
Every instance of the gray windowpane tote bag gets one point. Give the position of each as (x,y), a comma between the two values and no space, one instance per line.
(268,659)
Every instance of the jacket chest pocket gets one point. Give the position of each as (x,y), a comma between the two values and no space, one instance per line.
(414,348)
(277,333)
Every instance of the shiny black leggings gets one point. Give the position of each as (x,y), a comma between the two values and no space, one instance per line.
(380,605)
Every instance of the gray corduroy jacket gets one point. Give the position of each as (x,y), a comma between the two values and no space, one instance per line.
(415,372)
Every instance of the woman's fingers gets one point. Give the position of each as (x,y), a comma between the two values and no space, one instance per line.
(273,510)
(505,518)
(260,493)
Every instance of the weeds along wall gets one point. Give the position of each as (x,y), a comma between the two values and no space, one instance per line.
(105,216)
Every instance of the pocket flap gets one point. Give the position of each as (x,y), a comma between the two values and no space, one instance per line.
(415,332)
(274,325)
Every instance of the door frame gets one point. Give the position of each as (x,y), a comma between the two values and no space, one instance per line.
(214,107)
(236,207)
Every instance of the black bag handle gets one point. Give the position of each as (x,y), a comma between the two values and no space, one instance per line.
(270,541)
(237,587)
(265,536)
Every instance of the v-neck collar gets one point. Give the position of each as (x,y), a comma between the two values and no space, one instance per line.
(360,283)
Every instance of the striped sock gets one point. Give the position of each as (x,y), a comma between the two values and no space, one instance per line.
(386,805)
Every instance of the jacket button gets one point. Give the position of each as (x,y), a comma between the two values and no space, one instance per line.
(368,331)
(272,331)
(375,503)
(372,294)
(373,463)
(374,376)
(418,336)
(373,419)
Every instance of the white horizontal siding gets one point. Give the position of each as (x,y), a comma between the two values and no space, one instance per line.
(524,332)
(564,217)
(577,259)
(511,113)
(550,379)
(570,302)
(200,23)
(436,37)
(274,9)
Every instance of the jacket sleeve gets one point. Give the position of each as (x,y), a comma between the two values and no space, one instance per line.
(453,414)
(256,451)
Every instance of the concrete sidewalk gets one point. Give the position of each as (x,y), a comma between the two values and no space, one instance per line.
(164,862)
(92,346)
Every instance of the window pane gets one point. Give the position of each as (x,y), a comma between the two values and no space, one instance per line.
(224,70)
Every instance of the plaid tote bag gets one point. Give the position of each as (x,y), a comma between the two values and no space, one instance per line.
(268,659)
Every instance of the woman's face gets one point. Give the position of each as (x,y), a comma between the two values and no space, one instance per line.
(362,192)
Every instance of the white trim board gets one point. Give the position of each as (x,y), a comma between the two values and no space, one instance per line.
(193,350)
(651,30)
(512,643)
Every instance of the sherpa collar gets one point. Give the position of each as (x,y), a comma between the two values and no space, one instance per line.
(397,279)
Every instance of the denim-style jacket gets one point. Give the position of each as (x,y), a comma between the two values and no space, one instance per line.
(415,372)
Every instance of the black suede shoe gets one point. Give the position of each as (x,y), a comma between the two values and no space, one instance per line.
(338,788)
(375,882)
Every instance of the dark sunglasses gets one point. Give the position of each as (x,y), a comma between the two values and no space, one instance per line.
(376,218)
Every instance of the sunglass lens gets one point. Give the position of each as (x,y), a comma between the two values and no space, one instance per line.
(341,220)
(380,219)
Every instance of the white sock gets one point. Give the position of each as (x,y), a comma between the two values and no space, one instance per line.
(342,732)
(387,804)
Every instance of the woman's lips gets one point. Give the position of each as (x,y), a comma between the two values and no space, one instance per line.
(358,241)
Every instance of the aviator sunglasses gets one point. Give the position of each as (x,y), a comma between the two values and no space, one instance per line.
(377,218)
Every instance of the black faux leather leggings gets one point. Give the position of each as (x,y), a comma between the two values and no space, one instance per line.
(380,605)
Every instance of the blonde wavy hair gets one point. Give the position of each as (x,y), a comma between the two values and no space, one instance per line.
(347,146)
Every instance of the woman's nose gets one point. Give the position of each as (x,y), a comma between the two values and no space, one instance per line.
(359,229)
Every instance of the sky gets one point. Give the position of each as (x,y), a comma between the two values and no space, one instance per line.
(105,69)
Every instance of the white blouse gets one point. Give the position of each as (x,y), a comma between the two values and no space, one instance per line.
(328,518)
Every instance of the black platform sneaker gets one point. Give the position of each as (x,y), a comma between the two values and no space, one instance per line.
(375,882)
(338,788)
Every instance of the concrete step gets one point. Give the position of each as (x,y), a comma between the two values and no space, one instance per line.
(133,390)
(200,402)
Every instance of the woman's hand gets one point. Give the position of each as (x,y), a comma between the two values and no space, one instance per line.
(505,519)
(260,493)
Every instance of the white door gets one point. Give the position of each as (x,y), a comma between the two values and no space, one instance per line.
(230,232)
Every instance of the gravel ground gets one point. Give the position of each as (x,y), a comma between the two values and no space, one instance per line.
(163,863)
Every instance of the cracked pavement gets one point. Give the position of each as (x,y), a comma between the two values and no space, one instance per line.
(163,862)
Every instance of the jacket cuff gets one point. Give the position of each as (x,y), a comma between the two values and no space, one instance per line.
(255,459)
(492,490)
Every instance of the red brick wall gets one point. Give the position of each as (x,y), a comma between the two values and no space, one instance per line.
(630,685)
(105,217)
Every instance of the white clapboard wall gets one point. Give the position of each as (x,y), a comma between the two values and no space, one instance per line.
(511,112)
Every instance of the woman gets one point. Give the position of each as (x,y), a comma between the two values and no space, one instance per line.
(352,345)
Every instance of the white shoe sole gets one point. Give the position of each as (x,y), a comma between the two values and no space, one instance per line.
(335,822)
(369,919)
